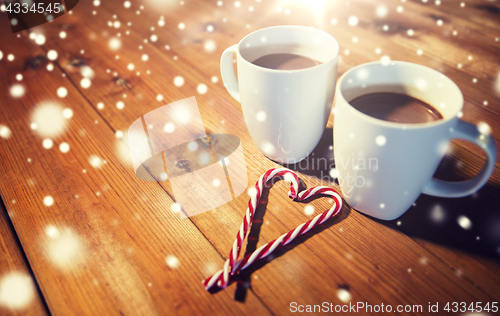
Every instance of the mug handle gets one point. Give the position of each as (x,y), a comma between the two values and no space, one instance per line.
(469,132)
(227,72)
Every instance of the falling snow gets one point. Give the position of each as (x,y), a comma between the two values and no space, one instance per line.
(169,128)
(334,173)
(178,81)
(48,119)
(381,11)
(40,39)
(437,214)
(192,146)
(380,140)
(47,143)
(5,132)
(202,88)
(261,116)
(344,295)
(385,60)
(464,222)
(353,20)
(64,147)
(16,290)
(62,92)
(252,192)
(309,210)
(216,183)
(483,128)
(67,113)
(95,161)
(204,158)
(48,200)
(17,90)
(268,148)
(176,208)
(87,72)
(85,83)
(210,46)
(65,249)
(114,43)
(172,261)
(52,55)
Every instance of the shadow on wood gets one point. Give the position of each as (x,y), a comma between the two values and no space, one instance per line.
(471,223)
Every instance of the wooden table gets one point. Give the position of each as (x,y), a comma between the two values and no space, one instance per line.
(81,234)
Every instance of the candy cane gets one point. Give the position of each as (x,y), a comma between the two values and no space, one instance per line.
(231,266)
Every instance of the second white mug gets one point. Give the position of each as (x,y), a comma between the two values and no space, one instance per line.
(384,166)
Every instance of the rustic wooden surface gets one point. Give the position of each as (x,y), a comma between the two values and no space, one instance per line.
(110,244)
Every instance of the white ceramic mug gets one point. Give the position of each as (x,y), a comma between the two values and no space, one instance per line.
(384,166)
(285,111)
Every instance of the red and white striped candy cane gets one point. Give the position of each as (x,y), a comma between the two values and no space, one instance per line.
(231,267)
(247,220)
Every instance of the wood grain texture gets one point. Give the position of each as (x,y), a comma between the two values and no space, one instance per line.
(93,244)
(124,225)
(19,293)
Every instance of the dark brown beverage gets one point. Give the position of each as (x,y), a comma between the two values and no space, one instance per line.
(395,107)
(285,61)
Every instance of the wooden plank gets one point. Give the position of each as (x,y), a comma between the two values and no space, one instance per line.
(19,293)
(109,243)
(209,225)
(373,259)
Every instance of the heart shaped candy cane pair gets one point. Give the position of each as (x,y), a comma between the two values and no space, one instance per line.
(232,266)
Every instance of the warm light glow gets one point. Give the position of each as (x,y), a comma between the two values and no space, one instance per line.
(316,5)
